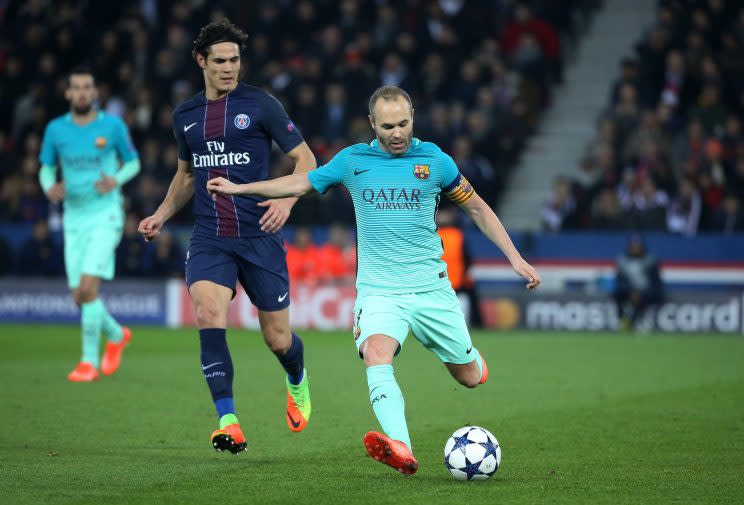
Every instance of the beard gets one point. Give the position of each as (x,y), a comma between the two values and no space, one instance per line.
(386,144)
(82,110)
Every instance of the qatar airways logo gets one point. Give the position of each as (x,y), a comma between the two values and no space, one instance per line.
(217,157)
(393,198)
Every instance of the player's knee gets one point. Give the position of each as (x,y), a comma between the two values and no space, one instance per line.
(278,342)
(208,314)
(376,354)
(85,294)
(469,381)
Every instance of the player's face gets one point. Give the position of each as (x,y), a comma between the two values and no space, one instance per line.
(81,93)
(221,67)
(393,124)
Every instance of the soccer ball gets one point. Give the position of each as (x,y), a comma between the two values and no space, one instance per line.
(472,453)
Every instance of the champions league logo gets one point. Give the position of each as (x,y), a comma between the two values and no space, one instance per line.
(242,121)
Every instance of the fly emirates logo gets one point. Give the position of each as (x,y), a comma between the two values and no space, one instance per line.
(217,157)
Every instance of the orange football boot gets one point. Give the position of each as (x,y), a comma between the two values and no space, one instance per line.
(393,453)
(230,438)
(484,370)
(112,356)
(299,406)
(83,372)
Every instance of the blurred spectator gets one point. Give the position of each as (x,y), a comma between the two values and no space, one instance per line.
(40,255)
(729,218)
(637,283)
(558,212)
(608,214)
(168,260)
(683,214)
(455,255)
(130,255)
(337,257)
(302,258)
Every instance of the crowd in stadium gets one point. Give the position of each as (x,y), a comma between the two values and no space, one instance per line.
(669,151)
(480,73)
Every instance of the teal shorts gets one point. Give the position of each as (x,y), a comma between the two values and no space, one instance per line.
(433,317)
(91,250)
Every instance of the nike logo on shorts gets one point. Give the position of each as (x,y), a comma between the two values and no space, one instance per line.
(468,351)
(210,366)
(186,128)
(281,298)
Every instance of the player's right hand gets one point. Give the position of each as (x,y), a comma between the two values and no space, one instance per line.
(221,185)
(150,227)
(528,272)
(57,192)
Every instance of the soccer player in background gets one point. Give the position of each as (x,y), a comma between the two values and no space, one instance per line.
(97,157)
(395,183)
(227,130)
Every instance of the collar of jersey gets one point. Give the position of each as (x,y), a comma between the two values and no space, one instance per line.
(375,144)
(68,118)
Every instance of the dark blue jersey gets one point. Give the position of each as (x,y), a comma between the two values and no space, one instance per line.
(231,137)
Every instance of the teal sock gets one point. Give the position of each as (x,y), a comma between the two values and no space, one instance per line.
(110,327)
(387,402)
(91,319)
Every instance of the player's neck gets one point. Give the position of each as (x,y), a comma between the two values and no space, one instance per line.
(212,93)
(84,119)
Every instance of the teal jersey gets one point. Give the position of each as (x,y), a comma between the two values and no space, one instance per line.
(395,200)
(83,153)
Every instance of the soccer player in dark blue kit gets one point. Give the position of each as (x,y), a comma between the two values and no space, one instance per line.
(227,130)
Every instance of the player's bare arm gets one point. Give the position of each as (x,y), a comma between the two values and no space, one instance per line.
(294,185)
(278,211)
(488,223)
(179,193)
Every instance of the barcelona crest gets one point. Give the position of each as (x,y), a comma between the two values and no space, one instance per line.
(421,172)
(101,142)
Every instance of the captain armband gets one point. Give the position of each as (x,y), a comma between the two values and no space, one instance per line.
(459,190)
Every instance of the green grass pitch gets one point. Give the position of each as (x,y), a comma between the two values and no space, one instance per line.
(580,418)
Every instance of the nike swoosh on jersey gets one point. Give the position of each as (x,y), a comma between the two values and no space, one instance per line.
(210,366)
(468,351)
(186,127)
(281,298)
(357,172)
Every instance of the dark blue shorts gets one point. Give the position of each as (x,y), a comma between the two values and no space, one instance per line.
(258,263)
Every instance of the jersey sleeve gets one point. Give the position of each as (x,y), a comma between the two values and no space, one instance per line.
(458,189)
(48,153)
(123,143)
(184,152)
(279,127)
(330,174)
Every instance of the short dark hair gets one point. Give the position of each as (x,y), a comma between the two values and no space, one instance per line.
(216,32)
(80,70)
(388,93)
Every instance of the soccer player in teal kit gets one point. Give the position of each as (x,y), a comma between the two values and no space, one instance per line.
(96,155)
(395,183)
(228,130)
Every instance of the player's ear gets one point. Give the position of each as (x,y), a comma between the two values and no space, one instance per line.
(371,121)
(201,61)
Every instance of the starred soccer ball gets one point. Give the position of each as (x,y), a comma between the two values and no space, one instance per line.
(472,453)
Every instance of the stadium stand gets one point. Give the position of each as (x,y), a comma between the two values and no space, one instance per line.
(669,153)
(480,73)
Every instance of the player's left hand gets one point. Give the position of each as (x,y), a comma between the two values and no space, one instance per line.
(105,184)
(276,215)
(528,272)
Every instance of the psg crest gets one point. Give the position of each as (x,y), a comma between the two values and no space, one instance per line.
(421,172)
(242,121)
